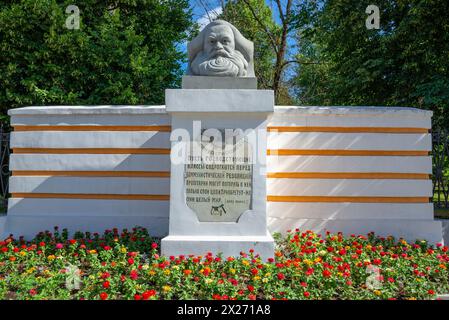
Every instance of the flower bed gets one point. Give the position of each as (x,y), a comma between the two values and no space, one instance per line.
(127,265)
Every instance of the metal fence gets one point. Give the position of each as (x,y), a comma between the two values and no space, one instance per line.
(4,173)
(440,167)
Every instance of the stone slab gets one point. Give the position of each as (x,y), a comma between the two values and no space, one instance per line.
(2,227)
(219,100)
(349,211)
(445,224)
(410,230)
(29,226)
(354,110)
(227,245)
(92,110)
(203,82)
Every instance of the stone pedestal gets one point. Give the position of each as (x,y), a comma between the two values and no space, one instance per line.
(192,231)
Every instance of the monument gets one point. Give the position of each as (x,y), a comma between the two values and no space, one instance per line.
(218,153)
(211,172)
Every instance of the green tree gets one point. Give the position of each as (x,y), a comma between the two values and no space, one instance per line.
(238,13)
(125,51)
(404,63)
(255,19)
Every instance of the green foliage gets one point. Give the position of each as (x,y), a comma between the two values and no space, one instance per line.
(125,51)
(405,63)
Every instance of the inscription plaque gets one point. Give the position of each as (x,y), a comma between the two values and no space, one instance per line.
(218,182)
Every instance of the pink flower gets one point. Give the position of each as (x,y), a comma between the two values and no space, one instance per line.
(59,246)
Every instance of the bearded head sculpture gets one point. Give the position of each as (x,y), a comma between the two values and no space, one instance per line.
(221,50)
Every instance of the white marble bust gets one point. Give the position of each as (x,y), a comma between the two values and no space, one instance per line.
(220,50)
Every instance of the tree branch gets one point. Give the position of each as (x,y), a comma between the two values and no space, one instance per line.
(267,31)
(299,62)
(281,12)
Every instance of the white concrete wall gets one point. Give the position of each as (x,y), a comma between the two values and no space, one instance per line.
(116,173)
(318,182)
(89,189)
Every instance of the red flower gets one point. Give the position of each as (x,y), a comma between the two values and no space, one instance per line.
(107,248)
(326,273)
(33,292)
(154,245)
(134,275)
(250,288)
(105,275)
(431,292)
(103,296)
(281,276)
(309,271)
(72,241)
(306,294)
(148,294)
(130,261)
(137,297)
(254,271)
(106,284)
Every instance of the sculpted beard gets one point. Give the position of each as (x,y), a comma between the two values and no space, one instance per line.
(220,63)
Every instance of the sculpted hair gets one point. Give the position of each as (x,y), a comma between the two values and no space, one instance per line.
(243,45)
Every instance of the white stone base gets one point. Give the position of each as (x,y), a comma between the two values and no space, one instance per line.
(410,230)
(30,226)
(445,224)
(3,234)
(229,246)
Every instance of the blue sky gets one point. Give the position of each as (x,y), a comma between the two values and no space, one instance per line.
(213,7)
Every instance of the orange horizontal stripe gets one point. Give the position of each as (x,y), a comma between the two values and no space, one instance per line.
(347,175)
(92,128)
(297,152)
(349,129)
(92,150)
(150,174)
(91,196)
(349,199)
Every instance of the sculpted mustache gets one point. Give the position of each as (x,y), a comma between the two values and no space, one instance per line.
(222,52)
